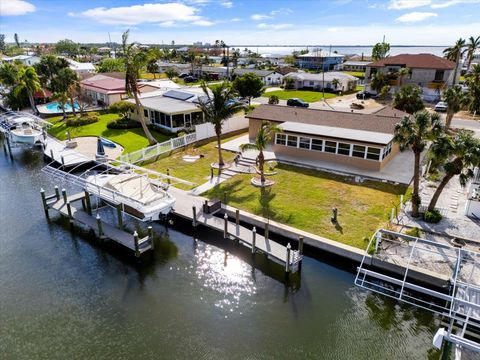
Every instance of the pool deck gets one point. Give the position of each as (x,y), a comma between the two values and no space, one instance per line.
(43,110)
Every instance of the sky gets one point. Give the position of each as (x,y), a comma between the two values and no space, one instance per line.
(243,22)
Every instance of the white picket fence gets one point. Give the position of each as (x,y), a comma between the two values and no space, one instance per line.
(158,149)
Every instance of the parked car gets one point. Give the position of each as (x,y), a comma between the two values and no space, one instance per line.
(297,102)
(182,75)
(189,79)
(237,100)
(365,95)
(441,106)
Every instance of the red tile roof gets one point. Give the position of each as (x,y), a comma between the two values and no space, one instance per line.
(104,84)
(418,61)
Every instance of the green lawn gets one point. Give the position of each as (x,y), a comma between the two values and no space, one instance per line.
(151,76)
(303,198)
(359,88)
(359,74)
(131,139)
(305,95)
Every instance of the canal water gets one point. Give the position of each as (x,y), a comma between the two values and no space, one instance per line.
(64,296)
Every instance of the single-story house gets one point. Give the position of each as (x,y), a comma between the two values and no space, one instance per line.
(428,71)
(361,140)
(269,77)
(81,68)
(302,80)
(24,59)
(353,66)
(104,90)
(174,110)
(318,60)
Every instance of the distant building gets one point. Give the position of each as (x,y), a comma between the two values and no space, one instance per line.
(81,68)
(269,77)
(24,59)
(353,66)
(318,60)
(303,80)
(198,43)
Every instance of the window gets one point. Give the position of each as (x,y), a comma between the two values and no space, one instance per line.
(177,121)
(373,153)
(358,151)
(145,113)
(317,144)
(312,83)
(439,75)
(304,143)
(281,139)
(343,149)
(292,141)
(197,118)
(331,147)
(157,117)
(387,150)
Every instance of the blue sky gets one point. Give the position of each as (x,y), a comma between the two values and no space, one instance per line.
(243,22)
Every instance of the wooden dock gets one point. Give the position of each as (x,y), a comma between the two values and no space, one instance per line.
(64,205)
(190,207)
(56,151)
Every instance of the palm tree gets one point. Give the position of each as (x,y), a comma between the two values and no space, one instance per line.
(454,53)
(459,156)
(413,132)
(408,99)
(335,83)
(472,45)
(455,99)
(404,71)
(8,74)
(135,60)
(217,107)
(264,137)
(28,81)
(62,99)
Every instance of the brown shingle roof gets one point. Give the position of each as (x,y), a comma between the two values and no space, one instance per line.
(419,61)
(339,119)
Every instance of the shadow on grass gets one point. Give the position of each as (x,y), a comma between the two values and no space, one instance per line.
(232,188)
(266,197)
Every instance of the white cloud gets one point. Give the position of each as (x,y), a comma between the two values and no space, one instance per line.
(259,17)
(235,20)
(449,3)
(281,11)
(415,17)
(274,26)
(203,23)
(227,4)
(146,13)
(408,4)
(15,7)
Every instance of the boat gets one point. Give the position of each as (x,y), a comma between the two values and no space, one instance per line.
(24,130)
(140,196)
(108,143)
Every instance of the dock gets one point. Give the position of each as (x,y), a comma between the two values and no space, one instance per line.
(64,205)
(190,207)
(56,151)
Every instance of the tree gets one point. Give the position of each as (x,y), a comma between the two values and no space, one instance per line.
(124,108)
(472,46)
(413,132)
(171,73)
(379,81)
(135,60)
(455,99)
(28,81)
(8,74)
(65,84)
(459,155)
(154,54)
(17,40)
(264,137)
(408,99)
(380,51)
(62,99)
(289,82)
(273,100)
(67,47)
(335,83)
(454,53)
(404,71)
(248,85)
(217,107)
(48,68)
(472,79)
(2,43)
(289,59)
(111,65)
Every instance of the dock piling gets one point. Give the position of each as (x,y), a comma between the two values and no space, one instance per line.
(51,154)
(63,161)
(225,229)
(135,239)
(378,240)
(194,218)
(57,193)
(287,262)
(168,174)
(100,228)
(87,203)
(150,237)
(237,217)
(120,216)
(266,231)
(9,146)
(64,194)
(69,211)
(254,235)
(44,203)
(300,245)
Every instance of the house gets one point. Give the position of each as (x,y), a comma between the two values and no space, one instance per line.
(430,72)
(353,66)
(81,68)
(269,77)
(104,90)
(304,80)
(173,110)
(318,60)
(363,141)
(24,59)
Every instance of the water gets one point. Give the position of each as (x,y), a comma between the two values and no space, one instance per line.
(56,106)
(63,296)
(346,50)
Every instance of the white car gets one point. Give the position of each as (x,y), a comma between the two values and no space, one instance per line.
(441,106)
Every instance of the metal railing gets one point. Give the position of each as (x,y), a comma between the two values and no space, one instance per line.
(158,149)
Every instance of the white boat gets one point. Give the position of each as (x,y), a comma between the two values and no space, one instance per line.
(26,133)
(140,196)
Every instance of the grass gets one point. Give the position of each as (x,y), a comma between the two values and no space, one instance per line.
(359,74)
(359,88)
(305,95)
(151,76)
(304,198)
(131,139)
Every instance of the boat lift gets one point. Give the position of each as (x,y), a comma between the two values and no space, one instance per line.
(456,267)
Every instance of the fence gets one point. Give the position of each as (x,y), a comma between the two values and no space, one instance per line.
(206,130)
(158,149)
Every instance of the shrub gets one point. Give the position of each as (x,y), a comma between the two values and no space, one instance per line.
(123,124)
(413,232)
(122,107)
(273,100)
(433,216)
(83,120)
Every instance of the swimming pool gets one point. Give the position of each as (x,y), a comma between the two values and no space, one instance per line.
(55,107)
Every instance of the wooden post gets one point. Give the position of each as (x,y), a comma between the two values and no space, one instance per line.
(150,237)
(205,207)
(87,202)
(300,245)
(392,215)
(51,154)
(287,263)
(378,240)
(9,146)
(63,161)
(69,211)
(225,197)
(266,231)
(100,229)
(225,229)
(237,217)
(254,236)
(64,194)
(135,240)
(168,174)
(57,193)
(194,213)
(120,216)
(44,203)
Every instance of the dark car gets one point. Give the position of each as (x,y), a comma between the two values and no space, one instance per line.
(182,75)
(189,79)
(297,102)
(365,95)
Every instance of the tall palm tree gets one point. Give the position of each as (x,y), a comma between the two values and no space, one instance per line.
(28,81)
(135,60)
(217,107)
(62,99)
(472,45)
(408,99)
(455,99)
(404,71)
(413,132)
(459,155)
(8,74)
(264,136)
(454,53)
